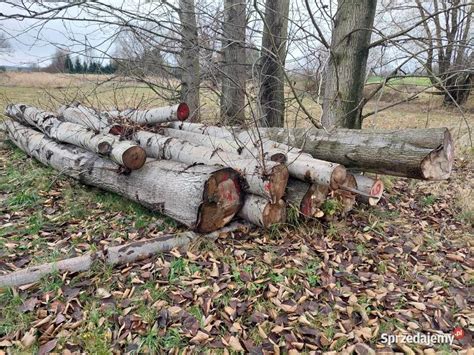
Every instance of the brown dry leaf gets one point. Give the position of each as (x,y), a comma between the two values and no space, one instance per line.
(199,338)
(234,343)
(418,305)
(47,347)
(29,338)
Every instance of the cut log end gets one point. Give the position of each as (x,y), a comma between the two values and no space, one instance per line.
(134,158)
(274,213)
(439,163)
(347,198)
(104,148)
(116,130)
(278,157)
(277,182)
(182,112)
(313,199)
(376,190)
(338,177)
(222,200)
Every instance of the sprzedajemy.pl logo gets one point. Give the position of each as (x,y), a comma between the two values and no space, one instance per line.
(423,338)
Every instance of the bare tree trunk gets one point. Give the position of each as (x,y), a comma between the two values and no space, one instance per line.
(125,153)
(190,80)
(267,179)
(201,197)
(262,212)
(426,154)
(272,91)
(345,73)
(233,65)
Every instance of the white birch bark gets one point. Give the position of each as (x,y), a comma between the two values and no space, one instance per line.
(262,212)
(79,114)
(125,153)
(179,112)
(201,197)
(268,181)
(300,165)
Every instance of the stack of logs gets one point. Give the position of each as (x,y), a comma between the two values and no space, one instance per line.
(203,176)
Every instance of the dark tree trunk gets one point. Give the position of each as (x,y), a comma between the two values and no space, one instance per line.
(190,76)
(272,95)
(345,74)
(233,65)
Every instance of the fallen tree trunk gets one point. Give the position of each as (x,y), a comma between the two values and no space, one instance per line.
(115,255)
(300,165)
(373,188)
(201,197)
(308,198)
(85,116)
(426,154)
(261,212)
(179,112)
(267,179)
(125,153)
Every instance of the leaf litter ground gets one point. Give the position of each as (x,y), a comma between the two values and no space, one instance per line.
(402,267)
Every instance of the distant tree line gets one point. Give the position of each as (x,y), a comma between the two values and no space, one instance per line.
(63,63)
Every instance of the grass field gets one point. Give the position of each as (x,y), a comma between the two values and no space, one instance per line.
(399,268)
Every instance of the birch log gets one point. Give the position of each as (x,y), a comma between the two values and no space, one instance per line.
(85,116)
(114,255)
(426,154)
(226,144)
(125,153)
(308,198)
(179,112)
(262,212)
(373,188)
(300,165)
(268,181)
(202,197)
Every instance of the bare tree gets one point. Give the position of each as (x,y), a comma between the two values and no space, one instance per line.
(234,62)
(345,74)
(190,77)
(448,42)
(272,94)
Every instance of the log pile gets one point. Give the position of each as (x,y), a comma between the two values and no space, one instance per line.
(204,176)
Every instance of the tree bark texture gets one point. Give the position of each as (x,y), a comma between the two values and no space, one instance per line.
(179,112)
(201,197)
(267,179)
(426,154)
(190,68)
(234,62)
(85,116)
(300,164)
(272,91)
(345,73)
(125,153)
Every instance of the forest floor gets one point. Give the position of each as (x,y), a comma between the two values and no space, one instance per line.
(402,267)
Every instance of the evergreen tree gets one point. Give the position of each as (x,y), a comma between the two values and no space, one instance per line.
(78,66)
(68,65)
